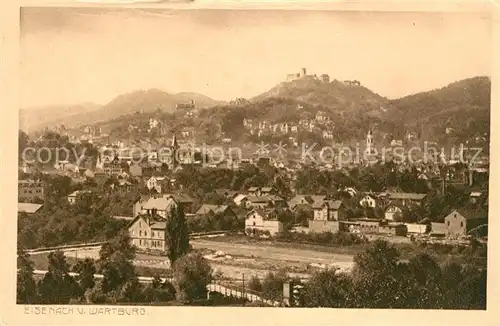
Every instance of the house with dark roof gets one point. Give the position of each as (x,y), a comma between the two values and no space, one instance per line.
(124,186)
(267,191)
(255,191)
(461,221)
(306,201)
(254,201)
(182,199)
(265,201)
(329,210)
(153,206)
(219,210)
(300,201)
(327,215)
(227,193)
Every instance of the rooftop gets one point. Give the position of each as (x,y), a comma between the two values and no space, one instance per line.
(216,209)
(28,208)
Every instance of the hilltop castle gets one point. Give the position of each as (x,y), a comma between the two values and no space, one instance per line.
(303,73)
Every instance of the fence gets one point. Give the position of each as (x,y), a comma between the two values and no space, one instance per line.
(230,291)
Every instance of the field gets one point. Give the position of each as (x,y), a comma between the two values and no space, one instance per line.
(236,257)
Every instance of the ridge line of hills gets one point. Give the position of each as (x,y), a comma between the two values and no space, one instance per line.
(463,104)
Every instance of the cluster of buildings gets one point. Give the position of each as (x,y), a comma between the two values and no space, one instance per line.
(320,123)
(263,206)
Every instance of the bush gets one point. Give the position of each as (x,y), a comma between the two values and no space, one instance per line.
(254,284)
(272,286)
(192,274)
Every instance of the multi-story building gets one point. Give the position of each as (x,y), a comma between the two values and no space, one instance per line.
(327,215)
(29,190)
(114,168)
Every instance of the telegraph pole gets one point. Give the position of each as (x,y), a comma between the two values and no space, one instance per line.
(243,293)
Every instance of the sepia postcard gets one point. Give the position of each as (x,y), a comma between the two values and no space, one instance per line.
(220,164)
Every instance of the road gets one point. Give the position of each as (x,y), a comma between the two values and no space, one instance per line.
(275,253)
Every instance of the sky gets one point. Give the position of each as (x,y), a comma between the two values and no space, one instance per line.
(71,56)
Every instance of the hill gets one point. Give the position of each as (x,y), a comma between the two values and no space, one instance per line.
(150,100)
(36,118)
(336,95)
(462,106)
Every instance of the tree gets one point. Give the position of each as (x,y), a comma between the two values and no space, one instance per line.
(254,284)
(377,277)
(328,289)
(176,234)
(115,263)
(158,291)
(425,276)
(57,286)
(86,270)
(272,285)
(26,285)
(192,274)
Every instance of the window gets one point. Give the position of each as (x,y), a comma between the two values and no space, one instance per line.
(462,224)
(448,223)
(145,234)
(140,233)
(253,223)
